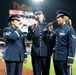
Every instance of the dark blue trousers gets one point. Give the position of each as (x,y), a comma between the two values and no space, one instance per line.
(13,67)
(41,64)
(61,68)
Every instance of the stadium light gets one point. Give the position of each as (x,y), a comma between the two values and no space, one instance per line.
(38,0)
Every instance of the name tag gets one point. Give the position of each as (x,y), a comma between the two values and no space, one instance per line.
(61,33)
(51,35)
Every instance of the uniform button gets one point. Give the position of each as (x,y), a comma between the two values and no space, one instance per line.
(40,39)
(40,36)
(39,27)
(40,33)
(54,48)
(40,45)
(56,40)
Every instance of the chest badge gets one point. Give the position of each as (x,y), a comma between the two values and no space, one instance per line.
(73,36)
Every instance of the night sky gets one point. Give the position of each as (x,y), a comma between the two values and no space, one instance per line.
(50,7)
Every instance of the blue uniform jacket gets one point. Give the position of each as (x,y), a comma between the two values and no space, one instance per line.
(40,41)
(64,49)
(14,44)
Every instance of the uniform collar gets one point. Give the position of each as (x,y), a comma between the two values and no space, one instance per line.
(13,28)
(43,23)
(62,25)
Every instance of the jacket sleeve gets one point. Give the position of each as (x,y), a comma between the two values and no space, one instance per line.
(51,41)
(25,54)
(71,44)
(30,33)
(8,34)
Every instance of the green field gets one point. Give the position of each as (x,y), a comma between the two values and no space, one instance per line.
(29,65)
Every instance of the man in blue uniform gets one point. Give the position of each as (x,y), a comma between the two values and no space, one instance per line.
(64,49)
(40,44)
(15,51)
